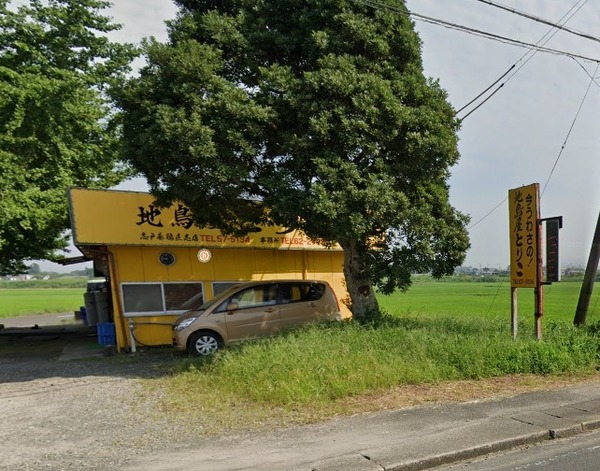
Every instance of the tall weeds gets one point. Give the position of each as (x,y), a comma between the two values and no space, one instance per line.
(326,362)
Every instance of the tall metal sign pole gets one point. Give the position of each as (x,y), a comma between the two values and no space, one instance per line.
(525,250)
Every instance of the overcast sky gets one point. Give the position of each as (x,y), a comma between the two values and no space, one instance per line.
(516,137)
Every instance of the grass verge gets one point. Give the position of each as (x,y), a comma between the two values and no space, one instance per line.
(329,369)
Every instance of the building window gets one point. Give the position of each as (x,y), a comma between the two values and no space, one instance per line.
(143,297)
(155,299)
(183,296)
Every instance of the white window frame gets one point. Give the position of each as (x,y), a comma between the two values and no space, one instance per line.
(162,284)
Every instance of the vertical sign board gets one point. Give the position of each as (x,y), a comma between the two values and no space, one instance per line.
(523,207)
(552,260)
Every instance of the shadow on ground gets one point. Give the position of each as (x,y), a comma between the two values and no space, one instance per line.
(33,347)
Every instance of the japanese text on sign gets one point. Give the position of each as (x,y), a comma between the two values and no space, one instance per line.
(524,216)
(129,218)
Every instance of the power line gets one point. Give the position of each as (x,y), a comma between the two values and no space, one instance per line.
(482,103)
(503,39)
(486,90)
(485,217)
(594,79)
(532,52)
(532,48)
(549,35)
(540,20)
(566,17)
(557,158)
(569,133)
(476,32)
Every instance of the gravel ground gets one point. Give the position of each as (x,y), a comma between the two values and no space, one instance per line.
(84,414)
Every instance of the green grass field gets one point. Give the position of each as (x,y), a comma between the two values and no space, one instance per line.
(487,300)
(19,302)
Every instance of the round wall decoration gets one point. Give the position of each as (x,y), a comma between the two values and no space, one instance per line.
(166,258)
(204,255)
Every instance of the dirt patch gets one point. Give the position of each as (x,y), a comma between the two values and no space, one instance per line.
(462,391)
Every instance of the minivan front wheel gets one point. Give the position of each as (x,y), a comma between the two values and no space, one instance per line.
(204,343)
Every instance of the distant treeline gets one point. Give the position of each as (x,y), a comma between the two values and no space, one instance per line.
(62,282)
(81,281)
(487,278)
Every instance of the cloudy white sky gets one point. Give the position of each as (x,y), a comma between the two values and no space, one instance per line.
(516,137)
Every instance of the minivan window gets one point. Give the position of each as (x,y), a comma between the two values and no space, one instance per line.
(301,292)
(255,296)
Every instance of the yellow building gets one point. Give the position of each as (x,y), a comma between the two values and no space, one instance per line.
(155,259)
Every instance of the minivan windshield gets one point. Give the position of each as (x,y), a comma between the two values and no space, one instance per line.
(225,294)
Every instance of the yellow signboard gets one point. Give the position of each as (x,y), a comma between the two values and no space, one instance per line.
(104,217)
(523,207)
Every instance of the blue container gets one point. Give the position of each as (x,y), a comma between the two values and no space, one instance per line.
(106,333)
(83,311)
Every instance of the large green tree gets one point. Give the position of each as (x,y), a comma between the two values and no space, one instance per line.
(57,126)
(315,109)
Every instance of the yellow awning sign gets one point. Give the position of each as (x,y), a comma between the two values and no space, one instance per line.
(105,217)
(523,207)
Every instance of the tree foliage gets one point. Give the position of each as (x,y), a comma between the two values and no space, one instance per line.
(57,127)
(315,109)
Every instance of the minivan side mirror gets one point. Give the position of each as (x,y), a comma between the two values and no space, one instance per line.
(231,307)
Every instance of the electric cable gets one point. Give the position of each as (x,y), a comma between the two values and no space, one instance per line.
(532,48)
(533,51)
(522,57)
(486,90)
(504,39)
(557,158)
(549,35)
(569,133)
(483,102)
(485,217)
(540,20)
(502,280)
(476,32)
(587,73)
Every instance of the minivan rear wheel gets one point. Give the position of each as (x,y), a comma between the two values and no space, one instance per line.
(204,343)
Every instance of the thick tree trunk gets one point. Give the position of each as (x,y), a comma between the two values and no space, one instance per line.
(362,298)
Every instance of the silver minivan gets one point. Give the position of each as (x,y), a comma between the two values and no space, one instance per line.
(252,310)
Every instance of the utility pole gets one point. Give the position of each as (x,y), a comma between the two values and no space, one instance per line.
(539,290)
(588,280)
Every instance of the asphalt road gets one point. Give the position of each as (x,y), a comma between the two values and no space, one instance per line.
(579,453)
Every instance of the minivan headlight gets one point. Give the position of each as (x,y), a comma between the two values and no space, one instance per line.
(185,323)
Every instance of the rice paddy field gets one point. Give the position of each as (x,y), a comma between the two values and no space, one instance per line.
(461,299)
(487,300)
(23,301)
